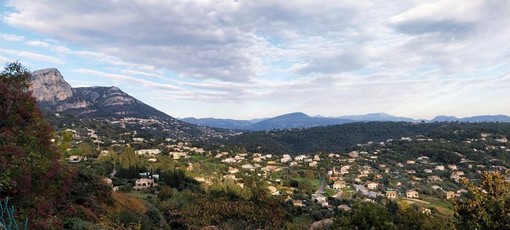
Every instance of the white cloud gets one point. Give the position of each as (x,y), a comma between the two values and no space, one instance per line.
(128,79)
(308,54)
(12,37)
(32,55)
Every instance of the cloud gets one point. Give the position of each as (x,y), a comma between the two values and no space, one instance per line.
(12,37)
(32,55)
(128,79)
(306,54)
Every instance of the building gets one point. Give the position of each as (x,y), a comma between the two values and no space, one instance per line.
(339,185)
(75,159)
(411,194)
(273,190)
(450,195)
(143,183)
(391,194)
(372,185)
(150,152)
(434,178)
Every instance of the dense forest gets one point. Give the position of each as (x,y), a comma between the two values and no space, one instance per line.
(341,137)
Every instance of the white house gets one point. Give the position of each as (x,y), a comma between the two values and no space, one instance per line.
(150,152)
(143,183)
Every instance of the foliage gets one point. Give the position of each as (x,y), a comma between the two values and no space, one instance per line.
(342,137)
(228,207)
(368,215)
(27,157)
(487,205)
(43,190)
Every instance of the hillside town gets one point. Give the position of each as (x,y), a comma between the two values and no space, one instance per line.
(405,169)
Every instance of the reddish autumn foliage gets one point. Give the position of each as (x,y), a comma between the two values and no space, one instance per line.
(31,173)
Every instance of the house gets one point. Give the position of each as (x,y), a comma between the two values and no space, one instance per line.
(339,185)
(353,154)
(75,159)
(232,170)
(312,164)
(178,155)
(434,178)
(319,198)
(411,194)
(150,152)
(248,166)
(229,160)
(286,158)
(427,171)
(450,195)
(143,183)
(391,194)
(299,158)
(453,167)
(273,190)
(372,185)
(152,159)
(108,181)
(440,167)
(456,175)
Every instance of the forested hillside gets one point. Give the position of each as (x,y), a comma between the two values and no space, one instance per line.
(341,137)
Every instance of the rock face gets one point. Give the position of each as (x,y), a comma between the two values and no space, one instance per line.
(48,85)
(54,94)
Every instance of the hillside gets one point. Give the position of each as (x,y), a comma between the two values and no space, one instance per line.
(55,95)
(341,137)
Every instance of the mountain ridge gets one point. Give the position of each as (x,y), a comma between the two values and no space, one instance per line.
(302,120)
(54,94)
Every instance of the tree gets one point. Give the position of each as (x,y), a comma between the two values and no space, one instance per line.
(366,215)
(487,206)
(30,173)
(27,156)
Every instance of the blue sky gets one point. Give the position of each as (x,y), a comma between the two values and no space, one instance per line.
(251,59)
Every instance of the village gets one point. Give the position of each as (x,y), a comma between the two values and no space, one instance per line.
(369,171)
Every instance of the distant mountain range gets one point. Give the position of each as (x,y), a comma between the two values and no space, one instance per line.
(301,120)
(54,94)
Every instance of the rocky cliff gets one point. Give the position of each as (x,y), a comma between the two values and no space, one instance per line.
(54,94)
(48,85)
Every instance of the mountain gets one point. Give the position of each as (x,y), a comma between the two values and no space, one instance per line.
(481,118)
(286,121)
(296,120)
(377,117)
(220,123)
(54,94)
(443,118)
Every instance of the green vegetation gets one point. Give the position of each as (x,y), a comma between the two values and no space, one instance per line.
(343,137)
(487,206)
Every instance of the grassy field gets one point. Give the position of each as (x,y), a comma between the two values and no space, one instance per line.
(444,207)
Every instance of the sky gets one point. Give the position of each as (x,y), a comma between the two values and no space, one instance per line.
(256,58)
